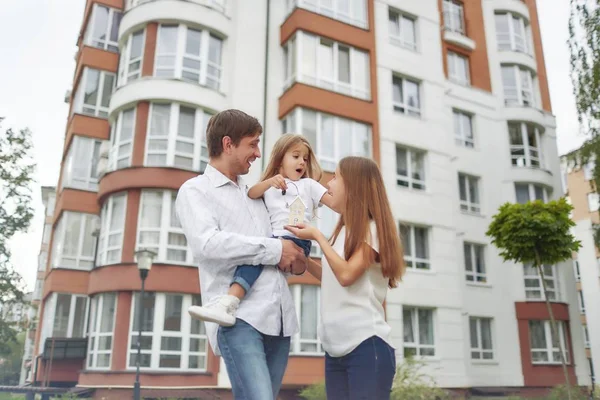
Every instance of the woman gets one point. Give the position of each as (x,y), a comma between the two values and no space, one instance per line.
(363,258)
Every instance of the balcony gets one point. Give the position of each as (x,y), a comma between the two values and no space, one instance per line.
(64,349)
(219,5)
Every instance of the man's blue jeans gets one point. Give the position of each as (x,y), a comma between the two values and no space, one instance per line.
(366,373)
(255,362)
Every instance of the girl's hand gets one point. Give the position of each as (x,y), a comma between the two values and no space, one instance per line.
(306,232)
(278,182)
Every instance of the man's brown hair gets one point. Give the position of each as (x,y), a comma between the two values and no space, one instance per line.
(233,123)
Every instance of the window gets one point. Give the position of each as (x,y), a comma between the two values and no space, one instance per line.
(581,302)
(80,169)
(47,233)
(469,193)
(463,129)
(121,139)
(544,345)
(352,12)
(171,339)
(111,231)
(218,5)
(102,322)
(332,138)
(65,316)
(130,64)
(454,16)
(321,62)
(325,221)
(576,270)
(177,137)
(402,29)
(415,241)
(533,283)
(103,28)
(586,337)
(93,93)
(513,33)
(593,202)
(74,244)
(527,192)
(192,55)
(406,97)
(418,332)
(481,338)
(525,145)
(518,86)
(588,171)
(159,229)
(475,262)
(410,168)
(458,68)
(307,299)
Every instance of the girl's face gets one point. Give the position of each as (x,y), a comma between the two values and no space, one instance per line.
(337,190)
(295,162)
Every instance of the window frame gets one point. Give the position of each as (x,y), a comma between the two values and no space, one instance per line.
(479,350)
(108,44)
(409,181)
(158,333)
(531,191)
(454,16)
(411,259)
(528,151)
(106,233)
(116,160)
(593,200)
(536,293)
(58,241)
(318,7)
(199,154)
(460,136)
(518,99)
(94,335)
(126,73)
(510,42)
(297,341)
(52,309)
(477,277)
(581,302)
(89,182)
(457,64)
(417,345)
(164,229)
(295,120)
(403,107)
(469,205)
(96,110)
(576,271)
(398,18)
(296,61)
(550,349)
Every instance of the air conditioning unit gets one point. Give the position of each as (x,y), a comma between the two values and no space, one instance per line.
(102,167)
(68,97)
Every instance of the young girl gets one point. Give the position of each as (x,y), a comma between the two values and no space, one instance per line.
(362,260)
(289,187)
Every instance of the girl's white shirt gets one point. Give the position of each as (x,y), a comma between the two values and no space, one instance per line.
(350,315)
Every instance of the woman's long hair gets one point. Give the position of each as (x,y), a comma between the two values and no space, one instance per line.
(282,146)
(366,200)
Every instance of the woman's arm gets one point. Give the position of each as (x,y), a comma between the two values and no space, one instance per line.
(258,190)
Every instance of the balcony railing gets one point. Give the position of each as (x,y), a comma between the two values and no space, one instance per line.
(218,5)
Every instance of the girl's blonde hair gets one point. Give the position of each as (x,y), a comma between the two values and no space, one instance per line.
(282,146)
(366,201)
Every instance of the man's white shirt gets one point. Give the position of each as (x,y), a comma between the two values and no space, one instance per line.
(225,228)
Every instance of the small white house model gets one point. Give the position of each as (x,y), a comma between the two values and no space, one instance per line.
(297,210)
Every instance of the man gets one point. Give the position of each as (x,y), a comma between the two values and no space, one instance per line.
(225,228)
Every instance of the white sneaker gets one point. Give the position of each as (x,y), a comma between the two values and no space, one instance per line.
(220,310)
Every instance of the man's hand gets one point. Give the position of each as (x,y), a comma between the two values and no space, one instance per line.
(291,255)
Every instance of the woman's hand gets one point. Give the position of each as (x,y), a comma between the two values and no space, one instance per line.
(278,182)
(306,232)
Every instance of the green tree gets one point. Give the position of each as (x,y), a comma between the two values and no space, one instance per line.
(584,45)
(16,177)
(536,233)
(10,364)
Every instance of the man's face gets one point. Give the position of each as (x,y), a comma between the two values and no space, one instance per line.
(242,156)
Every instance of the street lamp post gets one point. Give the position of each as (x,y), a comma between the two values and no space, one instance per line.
(144,263)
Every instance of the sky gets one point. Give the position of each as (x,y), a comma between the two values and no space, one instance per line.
(38,42)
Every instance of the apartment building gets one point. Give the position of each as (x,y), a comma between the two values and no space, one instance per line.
(449,97)
(586,263)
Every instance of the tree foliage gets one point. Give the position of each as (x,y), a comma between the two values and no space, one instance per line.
(536,233)
(10,364)
(16,212)
(584,45)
